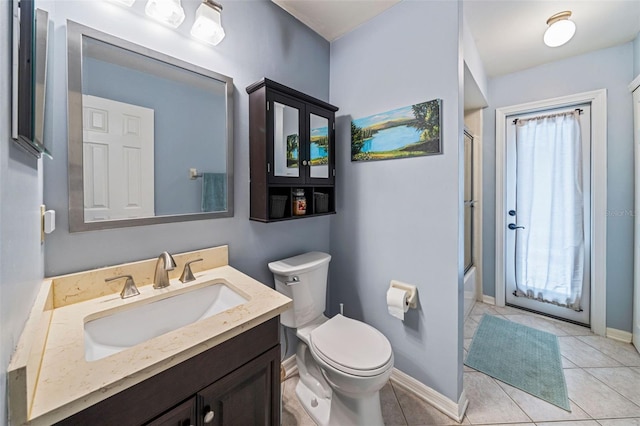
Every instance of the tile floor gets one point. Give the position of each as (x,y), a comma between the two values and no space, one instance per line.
(602,375)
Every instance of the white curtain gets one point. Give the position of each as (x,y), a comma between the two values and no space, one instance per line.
(550,205)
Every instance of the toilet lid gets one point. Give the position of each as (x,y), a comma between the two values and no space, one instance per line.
(351,346)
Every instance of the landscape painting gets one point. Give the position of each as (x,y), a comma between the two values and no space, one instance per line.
(410,131)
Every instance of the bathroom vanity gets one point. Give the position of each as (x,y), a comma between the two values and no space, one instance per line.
(221,368)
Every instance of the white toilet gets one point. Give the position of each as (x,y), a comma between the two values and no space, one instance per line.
(343,363)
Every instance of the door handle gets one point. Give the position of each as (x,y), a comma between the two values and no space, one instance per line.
(514,226)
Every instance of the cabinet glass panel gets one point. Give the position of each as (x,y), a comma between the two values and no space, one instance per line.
(286,140)
(319,147)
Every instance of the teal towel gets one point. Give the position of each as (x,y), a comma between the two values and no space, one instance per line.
(214,192)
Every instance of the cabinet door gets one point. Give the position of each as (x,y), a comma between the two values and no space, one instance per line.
(320,167)
(248,396)
(182,415)
(286,139)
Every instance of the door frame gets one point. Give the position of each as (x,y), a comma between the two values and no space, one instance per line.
(598,101)
(634,88)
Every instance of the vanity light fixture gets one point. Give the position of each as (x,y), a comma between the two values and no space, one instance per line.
(561,29)
(169,12)
(207,26)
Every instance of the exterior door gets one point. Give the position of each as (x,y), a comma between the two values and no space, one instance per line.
(517,253)
(118,160)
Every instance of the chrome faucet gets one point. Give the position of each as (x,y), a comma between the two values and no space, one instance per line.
(164,264)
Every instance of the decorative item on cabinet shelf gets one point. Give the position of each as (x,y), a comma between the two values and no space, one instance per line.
(321,202)
(278,204)
(299,202)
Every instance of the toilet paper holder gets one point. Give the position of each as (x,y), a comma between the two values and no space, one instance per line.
(412,298)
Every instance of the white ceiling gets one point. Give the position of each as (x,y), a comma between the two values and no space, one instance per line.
(508,33)
(334,18)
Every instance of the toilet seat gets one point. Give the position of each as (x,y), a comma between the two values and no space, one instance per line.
(351,346)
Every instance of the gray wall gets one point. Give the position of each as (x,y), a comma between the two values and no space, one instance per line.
(399,219)
(262,41)
(610,69)
(21,255)
(189,128)
(636,56)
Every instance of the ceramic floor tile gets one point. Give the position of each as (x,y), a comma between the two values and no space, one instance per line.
(418,412)
(482,308)
(477,318)
(508,310)
(625,353)
(568,364)
(596,398)
(467,343)
(470,327)
(584,355)
(293,414)
(573,329)
(536,322)
(622,379)
(489,403)
(391,411)
(571,423)
(539,410)
(620,422)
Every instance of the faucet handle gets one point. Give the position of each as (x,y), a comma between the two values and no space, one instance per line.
(129,289)
(187,275)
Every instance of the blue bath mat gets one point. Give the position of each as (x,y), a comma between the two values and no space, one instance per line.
(520,356)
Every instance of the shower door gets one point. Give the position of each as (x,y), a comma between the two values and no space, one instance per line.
(548,212)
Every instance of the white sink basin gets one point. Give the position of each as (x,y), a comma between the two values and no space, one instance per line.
(119,331)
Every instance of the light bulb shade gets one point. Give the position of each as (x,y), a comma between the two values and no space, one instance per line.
(207,26)
(169,12)
(127,3)
(559,32)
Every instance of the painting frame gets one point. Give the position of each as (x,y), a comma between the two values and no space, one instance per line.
(406,132)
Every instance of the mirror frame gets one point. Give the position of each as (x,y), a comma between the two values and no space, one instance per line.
(75,33)
(29,77)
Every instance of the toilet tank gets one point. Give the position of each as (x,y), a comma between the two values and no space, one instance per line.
(302,278)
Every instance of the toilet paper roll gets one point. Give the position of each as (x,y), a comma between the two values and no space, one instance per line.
(397,302)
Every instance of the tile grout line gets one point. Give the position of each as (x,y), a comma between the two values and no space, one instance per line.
(399,405)
(614,390)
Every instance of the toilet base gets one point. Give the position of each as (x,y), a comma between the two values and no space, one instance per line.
(328,407)
(319,413)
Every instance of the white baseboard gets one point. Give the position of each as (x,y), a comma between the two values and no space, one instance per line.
(489,300)
(290,366)
(437,400)
(619,335)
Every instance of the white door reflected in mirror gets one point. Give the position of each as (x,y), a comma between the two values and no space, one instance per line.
(117,141)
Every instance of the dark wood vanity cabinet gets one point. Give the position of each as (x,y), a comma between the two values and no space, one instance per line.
(234,383)
(292,145)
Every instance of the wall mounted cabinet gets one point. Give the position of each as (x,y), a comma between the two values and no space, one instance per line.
(292,144)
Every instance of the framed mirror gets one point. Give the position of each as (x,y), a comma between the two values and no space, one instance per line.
(150,136)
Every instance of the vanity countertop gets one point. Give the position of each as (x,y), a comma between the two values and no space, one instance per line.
(49,378)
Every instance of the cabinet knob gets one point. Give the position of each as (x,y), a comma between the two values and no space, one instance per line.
(208,418)
(304,162)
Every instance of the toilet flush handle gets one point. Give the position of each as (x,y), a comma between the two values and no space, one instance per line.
(293,281)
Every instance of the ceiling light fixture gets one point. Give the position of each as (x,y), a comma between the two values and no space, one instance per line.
(127,3)
(169,12)
(560,30)
(207,26)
